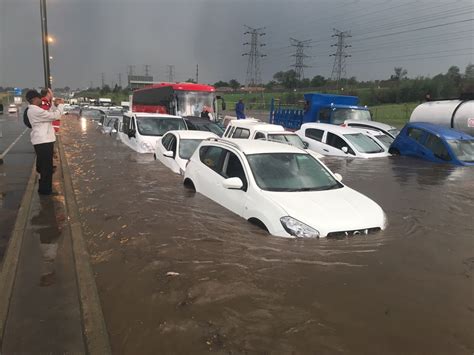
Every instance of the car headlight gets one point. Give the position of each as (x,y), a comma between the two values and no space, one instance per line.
(297,228)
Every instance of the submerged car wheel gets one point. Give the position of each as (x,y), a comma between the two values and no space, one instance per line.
(258,223)
(189,184)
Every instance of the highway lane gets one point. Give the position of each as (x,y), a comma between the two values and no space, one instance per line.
(14,172)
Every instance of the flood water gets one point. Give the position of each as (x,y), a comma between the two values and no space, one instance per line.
(235,289)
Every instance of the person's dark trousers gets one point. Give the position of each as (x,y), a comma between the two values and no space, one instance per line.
(44,163)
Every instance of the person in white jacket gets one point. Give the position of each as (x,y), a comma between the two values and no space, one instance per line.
(43,137)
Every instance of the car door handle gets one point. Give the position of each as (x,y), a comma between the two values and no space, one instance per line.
(326,150)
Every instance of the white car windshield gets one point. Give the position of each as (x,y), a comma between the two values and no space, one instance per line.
(290,172)
(340,115)
(385,140)
(363,143)
(394,132)
(157,126)
(187,147)
(291,139)
(464,149)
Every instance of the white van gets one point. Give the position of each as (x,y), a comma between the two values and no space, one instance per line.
(255,129)
(141,131)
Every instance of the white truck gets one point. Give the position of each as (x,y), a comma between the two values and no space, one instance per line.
(457,114)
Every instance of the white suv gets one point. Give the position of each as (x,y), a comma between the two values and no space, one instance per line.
(254,129)
(329,139)
(281,188)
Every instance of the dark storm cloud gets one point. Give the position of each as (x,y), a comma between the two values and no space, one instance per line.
(105,36)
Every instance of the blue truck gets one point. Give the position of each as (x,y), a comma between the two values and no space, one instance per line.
(324,108)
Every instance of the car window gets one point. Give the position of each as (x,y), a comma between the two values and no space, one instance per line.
(259,135)
(337,142)
(324,114)
(415,133)
(190,125)
(125,124)
(242,133)
(166,141)
(437,146)
(233,168)
(316,134)
(211,157)
(172,145)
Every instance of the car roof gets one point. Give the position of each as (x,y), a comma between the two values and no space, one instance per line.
(189,134)
(257,125)
(331,128)
(374,124)
(252,146)
(446,133)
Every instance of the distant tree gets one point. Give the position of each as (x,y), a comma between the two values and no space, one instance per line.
(305,83)
(67,88)
(105,90)
(288,79)
(190,80)
(116,89)
(220,84)
(352,81)
(234,84)
(469,72)
(454,74)
(318,81)
(400,73)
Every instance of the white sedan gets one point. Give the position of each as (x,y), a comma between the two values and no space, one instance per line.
(281,188)
(176,147)
(328,139)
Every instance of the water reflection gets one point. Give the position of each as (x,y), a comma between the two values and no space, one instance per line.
(83,124)
(46,225)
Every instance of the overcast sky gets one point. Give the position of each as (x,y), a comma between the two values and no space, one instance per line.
(105,36)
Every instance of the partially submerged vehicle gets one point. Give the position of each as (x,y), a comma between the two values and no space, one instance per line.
(434,143)
(329,139)
(141,131)
(251,128)
(202,124)
(280,188)
(176,147)
(373,125)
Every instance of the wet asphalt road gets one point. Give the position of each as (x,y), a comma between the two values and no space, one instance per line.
(406,290)
(14,173)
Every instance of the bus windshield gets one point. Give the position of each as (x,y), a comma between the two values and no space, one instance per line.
(192,103)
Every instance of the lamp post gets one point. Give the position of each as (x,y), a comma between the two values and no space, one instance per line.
(45,39)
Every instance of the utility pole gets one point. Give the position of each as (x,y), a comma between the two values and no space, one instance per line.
(339,67)
(45,41)
(147,67)
(170,73)
(120,80)
(197,73)
(91,84)
(254,75)
(102,78)
(131,68)
(300,56)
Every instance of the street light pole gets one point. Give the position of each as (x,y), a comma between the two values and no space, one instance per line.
(45,38)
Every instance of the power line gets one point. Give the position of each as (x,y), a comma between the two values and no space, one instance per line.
(197,73)
(102,78)
(131,69)
(254,75)
(300,56)
(339,66)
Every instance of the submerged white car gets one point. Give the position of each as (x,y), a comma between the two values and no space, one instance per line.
(328,139)
(176,147)
(12,108)
(281,188)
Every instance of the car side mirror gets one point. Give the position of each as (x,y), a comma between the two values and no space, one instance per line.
(131,133)
(305,145)
(233,183)
(338,177)
(168,154)
(345,149)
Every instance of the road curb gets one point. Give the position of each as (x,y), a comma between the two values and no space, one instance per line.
(93,322)
(12,256)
